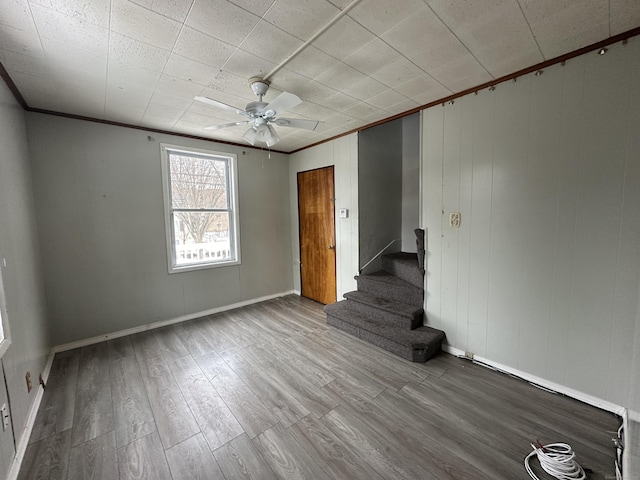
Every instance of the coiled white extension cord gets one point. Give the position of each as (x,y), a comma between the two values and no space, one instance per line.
(558,460)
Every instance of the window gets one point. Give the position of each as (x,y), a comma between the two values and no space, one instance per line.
(201,214)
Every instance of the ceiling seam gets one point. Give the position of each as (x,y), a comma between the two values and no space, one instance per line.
(313,38)
(106,77)
(379,37)
(238,47)
(309,42)
(171,52)
(524,71)
(35,26)
(533,35)
(461,42)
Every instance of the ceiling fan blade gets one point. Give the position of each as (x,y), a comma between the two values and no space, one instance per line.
(282,103)
(218,104)
(226,125)
(297,123)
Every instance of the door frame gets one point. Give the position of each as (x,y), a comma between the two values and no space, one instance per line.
(342,154)
(334,226)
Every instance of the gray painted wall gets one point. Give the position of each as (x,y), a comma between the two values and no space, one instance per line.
(632,437)
(99,201)
(379,189)
(543,274)
(410,180)
(22,275)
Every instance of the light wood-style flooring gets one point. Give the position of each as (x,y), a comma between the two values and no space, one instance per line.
(269,391)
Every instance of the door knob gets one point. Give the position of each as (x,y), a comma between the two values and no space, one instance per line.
(332,247)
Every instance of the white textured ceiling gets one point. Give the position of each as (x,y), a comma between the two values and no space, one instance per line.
(141,62)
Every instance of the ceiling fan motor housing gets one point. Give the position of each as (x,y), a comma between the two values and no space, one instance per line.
(259,86)
(255,109)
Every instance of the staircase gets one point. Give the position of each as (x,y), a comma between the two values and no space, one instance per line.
(386,310)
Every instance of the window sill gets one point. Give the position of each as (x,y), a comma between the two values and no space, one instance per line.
(202,266)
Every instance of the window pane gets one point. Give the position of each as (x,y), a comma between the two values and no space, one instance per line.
(198,182)
(201,237)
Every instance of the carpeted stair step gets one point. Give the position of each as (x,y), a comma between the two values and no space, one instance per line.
(386,312)
(405,266)
(414,345)
(389,287)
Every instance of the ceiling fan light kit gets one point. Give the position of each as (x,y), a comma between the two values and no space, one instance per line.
(261,114)
(266,134)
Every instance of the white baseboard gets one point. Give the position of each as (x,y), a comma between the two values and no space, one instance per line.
(556,387)
(163,323)
(21,446)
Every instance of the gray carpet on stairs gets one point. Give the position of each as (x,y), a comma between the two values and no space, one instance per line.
(417,345)
(387,309)
(385,285)
(381,310)
(405,266)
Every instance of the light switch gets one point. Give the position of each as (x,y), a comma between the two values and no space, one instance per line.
(344,213)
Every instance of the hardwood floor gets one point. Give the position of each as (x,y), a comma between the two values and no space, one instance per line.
(269,391)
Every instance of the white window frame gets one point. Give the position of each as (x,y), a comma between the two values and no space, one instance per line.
(232,195)
(6,339)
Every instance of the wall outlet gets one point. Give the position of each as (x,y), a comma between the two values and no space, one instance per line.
(455,219)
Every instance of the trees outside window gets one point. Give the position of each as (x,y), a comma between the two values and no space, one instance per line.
(200,208)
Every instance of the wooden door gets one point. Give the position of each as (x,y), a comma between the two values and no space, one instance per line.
(316,217)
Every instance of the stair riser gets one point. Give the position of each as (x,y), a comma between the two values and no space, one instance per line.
(410,296)
(386,318)
(341,325)
(409,273)
(413,354)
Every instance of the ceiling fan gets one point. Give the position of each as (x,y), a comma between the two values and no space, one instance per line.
(261,114)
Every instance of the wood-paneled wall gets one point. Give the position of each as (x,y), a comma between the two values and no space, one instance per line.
(543,273)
